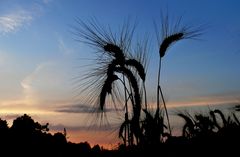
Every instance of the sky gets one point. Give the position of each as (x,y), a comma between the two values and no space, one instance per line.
(39,57)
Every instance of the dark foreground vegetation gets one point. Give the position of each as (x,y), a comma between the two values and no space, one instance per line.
(210,134)
(29,138)
(118,78)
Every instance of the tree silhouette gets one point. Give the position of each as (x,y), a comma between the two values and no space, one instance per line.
(4,132)
(25,124)
(3,126)
(27,137)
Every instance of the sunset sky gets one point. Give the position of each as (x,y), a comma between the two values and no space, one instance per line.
(39,57)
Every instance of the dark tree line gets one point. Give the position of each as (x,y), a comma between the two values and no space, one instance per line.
(29,138)
(210,134)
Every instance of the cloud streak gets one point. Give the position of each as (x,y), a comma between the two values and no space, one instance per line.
(27,82)
(63,48)
(47,1)
(13,21)
(82,108)
(20,15)
(92,127)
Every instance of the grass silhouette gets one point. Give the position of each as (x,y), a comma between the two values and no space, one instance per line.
(122,72)
(118,64)
(171,32)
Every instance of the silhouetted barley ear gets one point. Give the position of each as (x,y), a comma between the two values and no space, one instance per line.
(204,124)
(170,34)
(123,126)
(135,126)
(113,49)
(106,89)
(115,67)
(236,119)
(102,38)
(212,114)
(116,52)
(138,66)
(224,120)
(134,84)
(118,65)
(237,108)
(141,56)
(188,128)
(112,52)
(168,41)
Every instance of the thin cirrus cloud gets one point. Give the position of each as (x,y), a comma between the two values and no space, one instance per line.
(27,82)
(13,21)
(19,16)
(83,108)
(47,1)
(46,84)
(83,127)
(63,47)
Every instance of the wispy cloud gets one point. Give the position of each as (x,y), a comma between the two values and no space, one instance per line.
(77,108)
(47,1)
(27,82)
(4,57)
(83,127)
(63,47)
(83,108)
(47,84)
(13,21)
(19,15)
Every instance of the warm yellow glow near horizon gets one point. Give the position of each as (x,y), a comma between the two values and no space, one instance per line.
(208,101)
(75,122)
(25,111)
(107,139)
(201,103)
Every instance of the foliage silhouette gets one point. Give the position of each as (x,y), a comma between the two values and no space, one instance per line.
(29,138)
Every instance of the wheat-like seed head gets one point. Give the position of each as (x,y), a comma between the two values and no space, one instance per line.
(172,32)
(168,41)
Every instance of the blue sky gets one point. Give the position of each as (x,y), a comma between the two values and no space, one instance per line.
(39,56)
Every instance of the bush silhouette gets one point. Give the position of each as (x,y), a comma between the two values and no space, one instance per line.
(29,138)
